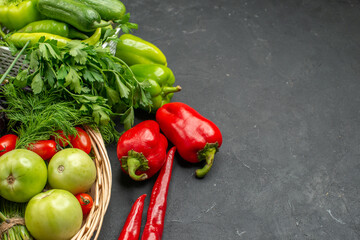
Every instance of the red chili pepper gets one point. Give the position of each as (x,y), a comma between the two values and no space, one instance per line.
(195,137)
(132,226)
(46,149)
(141,150)
(154,226)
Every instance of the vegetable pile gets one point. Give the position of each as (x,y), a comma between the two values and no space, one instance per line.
(71,77)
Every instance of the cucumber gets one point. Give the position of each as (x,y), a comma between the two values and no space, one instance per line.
(75,13)
(108,9)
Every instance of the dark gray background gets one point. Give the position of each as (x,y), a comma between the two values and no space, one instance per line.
(281,80)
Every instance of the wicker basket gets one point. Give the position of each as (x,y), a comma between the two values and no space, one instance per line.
(100,191)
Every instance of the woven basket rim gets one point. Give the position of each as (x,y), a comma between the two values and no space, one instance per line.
(101,189)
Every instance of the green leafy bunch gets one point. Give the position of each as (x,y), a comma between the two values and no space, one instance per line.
(38,117)
(101,85)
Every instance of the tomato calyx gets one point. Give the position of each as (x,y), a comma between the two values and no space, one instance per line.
(85,201)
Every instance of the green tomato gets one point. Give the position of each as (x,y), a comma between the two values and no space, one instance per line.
(72,169)
(55,214)
(23,174)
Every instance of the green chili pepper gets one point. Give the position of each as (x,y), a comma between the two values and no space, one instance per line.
(15,14)
(160,79)
(19,39)
(95,37)
(54,27)
(134,50)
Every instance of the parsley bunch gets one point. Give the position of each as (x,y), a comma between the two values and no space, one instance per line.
(100,85)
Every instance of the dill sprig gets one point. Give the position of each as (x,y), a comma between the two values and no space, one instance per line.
(37,117)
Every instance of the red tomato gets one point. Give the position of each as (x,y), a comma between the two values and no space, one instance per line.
(44,148)
(7,143)
(85,201)
(81,140)
(63,140)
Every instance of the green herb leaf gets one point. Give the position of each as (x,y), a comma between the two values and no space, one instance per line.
(125,25)
(100,114)
(37,84)
(128,118)
(62,72)
(72,80)
(121,87)
(112,95)
(49,74)
(109,33)
(92,75)
(21,78)
(12,48)
(34,60)
(47,51)
(78,51)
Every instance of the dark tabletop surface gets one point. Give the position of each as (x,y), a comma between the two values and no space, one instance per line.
(281,80)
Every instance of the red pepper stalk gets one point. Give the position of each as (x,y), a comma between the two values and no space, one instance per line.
(132,226)
(195,137)
(141,150)
(154,226)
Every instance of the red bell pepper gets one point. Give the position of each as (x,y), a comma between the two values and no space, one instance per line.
(141,150)
(132,226)
(195,137)
(154,226)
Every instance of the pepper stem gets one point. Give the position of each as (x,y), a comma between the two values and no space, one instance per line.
(133,165)
(101,24)
(167,90)
(209,157)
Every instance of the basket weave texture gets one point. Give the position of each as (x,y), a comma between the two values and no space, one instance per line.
(100,191)
(6,58)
